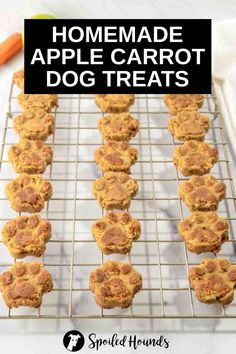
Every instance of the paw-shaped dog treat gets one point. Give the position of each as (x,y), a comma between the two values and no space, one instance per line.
(115,284)
(27,193)
(37,101)
(114,103)
(195,157)
(34,124)
(24,284)
(115,232)
(30,156)
(204,232)
(202,193)
(214,281)
(115,156)
(26,236)
(190,102)
(119,126)
(114,190)
(18,78)
(189,125)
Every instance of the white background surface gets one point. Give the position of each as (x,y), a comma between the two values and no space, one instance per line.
(46,336)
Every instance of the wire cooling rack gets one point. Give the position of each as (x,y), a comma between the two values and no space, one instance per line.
(159,255)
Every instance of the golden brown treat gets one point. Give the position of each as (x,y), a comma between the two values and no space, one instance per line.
(27,193)
(24,284)
(189,102)
(26,236)
(114,103)
(115,284)
(117,156)
(195,157)
(30,156)
(114,190)
(32,102)
(34,124)
(18,78)
(213,281)
(202,193)
(189,125)
(115,232)
(203,232)
(119,126)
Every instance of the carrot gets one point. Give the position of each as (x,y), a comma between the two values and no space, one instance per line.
(11,46)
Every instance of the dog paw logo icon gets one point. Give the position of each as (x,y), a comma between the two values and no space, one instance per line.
(73,341)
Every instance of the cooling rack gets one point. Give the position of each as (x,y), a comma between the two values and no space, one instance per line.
(159,254)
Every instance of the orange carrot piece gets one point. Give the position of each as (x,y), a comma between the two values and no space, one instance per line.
(11,46)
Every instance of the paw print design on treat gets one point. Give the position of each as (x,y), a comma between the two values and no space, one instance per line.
(111,103)
(119,126)
(203,232)
(114,190)
(116,156)
(115,232)
(37,101)
(202,193)
(115,284)
(27,193)
(34,124)
(195,158)
(189,102)
(189,125)
(214,281)
(24,284)
(26,236)
(30,156)
(18,78)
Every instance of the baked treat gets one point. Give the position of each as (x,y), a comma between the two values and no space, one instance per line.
(189,125)
(189,102)
(116,156)
(115,284)
(119,126)
(27,193)
(37,101)
(115,232)
(114,190)
(30,156)
(195,157)
(114,103)
(24,284)
(203,232)
(26,236)
(202,193)
(213,281)
(34,124)
(18,78)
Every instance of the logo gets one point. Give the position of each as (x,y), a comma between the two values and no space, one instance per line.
(73,341)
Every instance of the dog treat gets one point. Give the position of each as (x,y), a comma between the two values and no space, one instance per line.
(27,193)
(195,158)
(114,190)
(18,78)
(45,102)
(190,102)
(119,126)
(34,124)
(213,281)
(26,236)
(203,232)
(116,156)
(202,193)
(115,232)
(30,156)
(115,284)
(114,103)
(24,284)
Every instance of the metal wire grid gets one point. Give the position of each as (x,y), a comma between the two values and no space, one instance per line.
(166,292)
